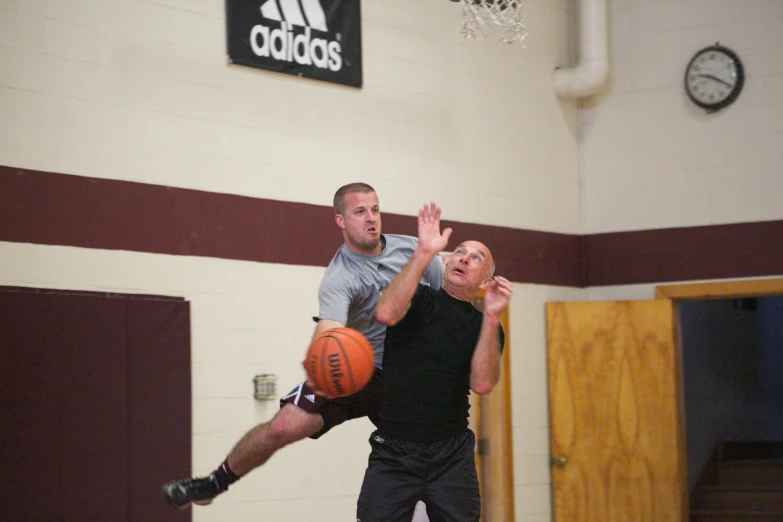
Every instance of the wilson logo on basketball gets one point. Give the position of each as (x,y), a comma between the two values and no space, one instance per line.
(335,373)
(293,40)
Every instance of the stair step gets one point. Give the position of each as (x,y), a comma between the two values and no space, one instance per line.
(759,498)
(751,450)
(703,515)
(759,472)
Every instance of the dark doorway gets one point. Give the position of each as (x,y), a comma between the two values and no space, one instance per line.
(733,374)
(95,395)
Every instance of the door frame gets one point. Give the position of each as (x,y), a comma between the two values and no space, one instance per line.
(729,289)
(721,290)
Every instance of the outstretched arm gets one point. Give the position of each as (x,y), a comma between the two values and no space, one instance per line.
(396,299)
(485,365)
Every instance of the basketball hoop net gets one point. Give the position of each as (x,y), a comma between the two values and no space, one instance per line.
(498,20)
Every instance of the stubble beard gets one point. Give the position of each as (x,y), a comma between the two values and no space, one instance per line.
(365,245)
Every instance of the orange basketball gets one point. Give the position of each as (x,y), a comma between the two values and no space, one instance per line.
(340,362)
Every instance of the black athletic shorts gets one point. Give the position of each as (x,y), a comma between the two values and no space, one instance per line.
(364,403)
(442,474)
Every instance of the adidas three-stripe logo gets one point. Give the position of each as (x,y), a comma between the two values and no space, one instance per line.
(292,44)
(311,14)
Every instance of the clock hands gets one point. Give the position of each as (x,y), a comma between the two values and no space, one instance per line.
(713,77)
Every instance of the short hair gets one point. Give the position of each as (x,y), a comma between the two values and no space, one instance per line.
(491,271)
(350,188)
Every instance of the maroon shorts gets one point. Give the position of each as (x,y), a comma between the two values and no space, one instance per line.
(364,403)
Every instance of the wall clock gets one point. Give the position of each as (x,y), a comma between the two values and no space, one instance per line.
(714,77)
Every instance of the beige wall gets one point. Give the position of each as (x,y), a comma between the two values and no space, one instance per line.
(529,398)
(652,159)
(140,90)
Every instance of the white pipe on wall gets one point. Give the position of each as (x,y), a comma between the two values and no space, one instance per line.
(587,78)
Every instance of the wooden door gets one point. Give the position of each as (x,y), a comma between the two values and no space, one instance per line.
(614,399)
(492,426)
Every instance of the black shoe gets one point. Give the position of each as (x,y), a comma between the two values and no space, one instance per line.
(200,490)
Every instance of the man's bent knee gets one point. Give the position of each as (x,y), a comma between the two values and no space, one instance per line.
(291,424)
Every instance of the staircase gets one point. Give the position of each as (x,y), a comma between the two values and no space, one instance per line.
(743,482)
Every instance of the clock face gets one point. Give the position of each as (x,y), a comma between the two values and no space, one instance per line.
(714,77)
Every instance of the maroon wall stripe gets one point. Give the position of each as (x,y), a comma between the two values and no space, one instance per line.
(523,256)
(59,209)
(684,254)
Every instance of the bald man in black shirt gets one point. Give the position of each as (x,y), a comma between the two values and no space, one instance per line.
(438,347)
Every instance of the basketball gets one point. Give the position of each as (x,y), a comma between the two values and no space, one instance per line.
(340,362)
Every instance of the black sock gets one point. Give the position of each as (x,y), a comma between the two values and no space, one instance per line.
(224,476)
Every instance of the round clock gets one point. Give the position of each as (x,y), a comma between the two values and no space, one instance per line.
(714,77)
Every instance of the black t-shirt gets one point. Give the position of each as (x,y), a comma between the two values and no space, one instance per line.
(426,368)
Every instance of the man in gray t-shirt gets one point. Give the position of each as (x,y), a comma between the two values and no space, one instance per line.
(353,281)
(363,265)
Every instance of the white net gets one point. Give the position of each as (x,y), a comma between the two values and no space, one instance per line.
(498,20)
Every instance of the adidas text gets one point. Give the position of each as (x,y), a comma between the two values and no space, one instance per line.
(282,44)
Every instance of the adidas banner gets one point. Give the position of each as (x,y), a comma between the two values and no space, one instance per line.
(319,39)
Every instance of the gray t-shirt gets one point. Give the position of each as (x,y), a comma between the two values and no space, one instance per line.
(352,283)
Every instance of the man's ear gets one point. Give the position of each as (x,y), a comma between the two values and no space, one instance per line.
(485,283)
(338,218)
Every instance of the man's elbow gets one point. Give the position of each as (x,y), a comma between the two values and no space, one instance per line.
(483,386)
(385,316)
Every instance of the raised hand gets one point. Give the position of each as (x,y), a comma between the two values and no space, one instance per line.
(497,297)
(431,239)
